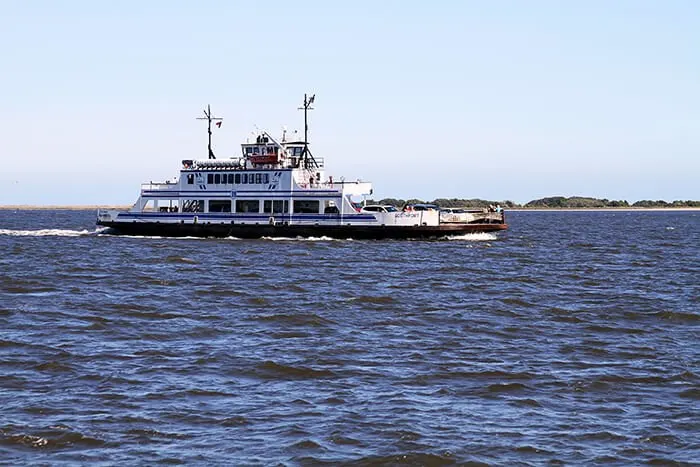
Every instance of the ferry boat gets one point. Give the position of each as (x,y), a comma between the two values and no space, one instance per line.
(275,189)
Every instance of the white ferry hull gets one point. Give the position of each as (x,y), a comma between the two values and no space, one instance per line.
(275,189)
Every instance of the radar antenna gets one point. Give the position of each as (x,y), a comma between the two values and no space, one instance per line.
(306,154)
(209,119)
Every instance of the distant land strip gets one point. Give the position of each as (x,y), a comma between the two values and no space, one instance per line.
(550,203)
(77,207)
(554,202)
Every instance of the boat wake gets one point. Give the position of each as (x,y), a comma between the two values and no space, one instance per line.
(474,237)
(305,239)
(52,232)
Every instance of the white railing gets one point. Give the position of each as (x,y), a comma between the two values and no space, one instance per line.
(170,185)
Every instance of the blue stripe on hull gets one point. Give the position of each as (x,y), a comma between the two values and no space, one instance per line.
(245,217)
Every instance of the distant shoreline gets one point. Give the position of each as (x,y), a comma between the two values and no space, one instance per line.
(27,207)
(622,209)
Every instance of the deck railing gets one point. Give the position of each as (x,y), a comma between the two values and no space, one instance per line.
(159,186)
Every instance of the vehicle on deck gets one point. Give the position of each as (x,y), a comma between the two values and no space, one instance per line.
(379,208)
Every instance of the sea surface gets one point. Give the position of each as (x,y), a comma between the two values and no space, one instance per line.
(572,338)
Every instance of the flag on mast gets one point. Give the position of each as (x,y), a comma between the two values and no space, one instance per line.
(218,124)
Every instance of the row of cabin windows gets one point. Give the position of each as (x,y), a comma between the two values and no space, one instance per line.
(269,206)
(271,150)
(234,179)
(265,151)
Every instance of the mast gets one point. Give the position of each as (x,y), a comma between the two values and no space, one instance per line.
(209,119)
(306,154)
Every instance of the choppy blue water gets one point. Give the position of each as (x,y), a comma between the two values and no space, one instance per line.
(571,338)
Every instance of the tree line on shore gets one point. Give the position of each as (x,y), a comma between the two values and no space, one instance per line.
(550,202)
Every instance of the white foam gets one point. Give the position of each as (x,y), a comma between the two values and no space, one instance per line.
(317,239)
(51,232)
(475,237)
(302,239)
(160,237)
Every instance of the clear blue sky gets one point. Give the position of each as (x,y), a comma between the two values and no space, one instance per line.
(491,99)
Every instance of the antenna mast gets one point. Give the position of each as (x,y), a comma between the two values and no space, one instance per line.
(209,119)
(307,106)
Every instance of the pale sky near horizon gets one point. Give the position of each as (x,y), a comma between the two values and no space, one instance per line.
(469,99)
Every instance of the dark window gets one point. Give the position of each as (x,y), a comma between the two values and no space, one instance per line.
(193,205)
(217,178)
(245,205)
(266,178)
(238,179)
(190,179)
(230,179)
(245,178)
(306,206)
(216,205)
(258,178)
(330,208)
(210,178)
(276,206)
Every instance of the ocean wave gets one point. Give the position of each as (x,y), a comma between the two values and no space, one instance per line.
(296,319)
(54,437)
(273,370)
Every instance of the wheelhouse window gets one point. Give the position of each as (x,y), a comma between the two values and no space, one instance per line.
(237,179)
(230,179)
(216,205)
(217,178)
(258,178)
(190,179)
(306,206)
(246,205)
(210,178)
(266,178)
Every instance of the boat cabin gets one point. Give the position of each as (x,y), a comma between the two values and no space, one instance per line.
(263,152)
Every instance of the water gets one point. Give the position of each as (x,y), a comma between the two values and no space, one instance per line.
(571,338)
